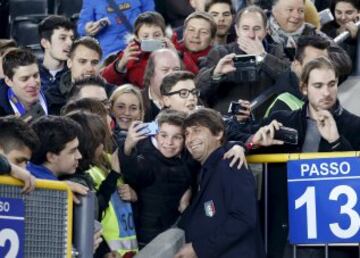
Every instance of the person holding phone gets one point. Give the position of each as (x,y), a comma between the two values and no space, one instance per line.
(346,13)
(98,19)
(130,64)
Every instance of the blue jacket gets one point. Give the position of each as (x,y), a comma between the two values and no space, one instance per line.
(111,37)
(222,221)
(41,172)
(5,107)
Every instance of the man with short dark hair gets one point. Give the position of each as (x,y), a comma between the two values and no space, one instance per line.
(223,13)
(58,152)
(56,37)
(84,61)
(93,87)
(287,84)
(21,92)
(222,220)
(17,142)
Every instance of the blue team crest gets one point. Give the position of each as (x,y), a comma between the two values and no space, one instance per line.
(209,207)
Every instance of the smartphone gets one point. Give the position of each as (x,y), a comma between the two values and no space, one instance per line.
(325,16)
(35,112)
(287,135)
(235,108)
(149,129)
(103,22)
(150,45)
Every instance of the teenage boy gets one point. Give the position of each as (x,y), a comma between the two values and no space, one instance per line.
(129,66)
(17,142)
(21,95)
(179,92)
(58,152)
(56,37)
(223,13)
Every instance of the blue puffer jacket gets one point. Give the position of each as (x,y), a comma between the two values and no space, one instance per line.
(111,37)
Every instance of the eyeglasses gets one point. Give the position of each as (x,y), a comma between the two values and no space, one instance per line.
(184,93)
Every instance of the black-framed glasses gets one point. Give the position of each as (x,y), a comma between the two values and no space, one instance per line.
(184,93)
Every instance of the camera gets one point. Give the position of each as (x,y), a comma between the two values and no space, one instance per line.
(235,108)
(287,135)
(150,45)
(149,129)
(246,68)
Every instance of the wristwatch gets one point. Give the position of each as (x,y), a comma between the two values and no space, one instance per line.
(260,58)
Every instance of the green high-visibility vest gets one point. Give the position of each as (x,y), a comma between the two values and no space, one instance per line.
(290,100)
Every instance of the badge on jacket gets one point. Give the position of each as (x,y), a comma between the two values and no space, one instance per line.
(209,207)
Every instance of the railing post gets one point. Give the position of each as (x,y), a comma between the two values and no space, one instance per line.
(357,60)
(326,250)
(294,251)
(266,207)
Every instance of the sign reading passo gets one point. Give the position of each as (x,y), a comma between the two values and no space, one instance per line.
(324,205)
(12,227)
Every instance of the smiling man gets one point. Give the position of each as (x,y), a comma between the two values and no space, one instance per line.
(222,220)
(21,94)
(198,37)
(84,61)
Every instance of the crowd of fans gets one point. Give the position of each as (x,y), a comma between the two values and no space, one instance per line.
(147,116)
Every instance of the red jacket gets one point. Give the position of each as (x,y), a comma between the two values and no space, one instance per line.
(134,74)
(190,59)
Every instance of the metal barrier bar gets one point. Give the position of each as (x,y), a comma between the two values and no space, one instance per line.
(265,206)
(284,157)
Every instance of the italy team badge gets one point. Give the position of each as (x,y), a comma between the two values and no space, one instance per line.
(209,207)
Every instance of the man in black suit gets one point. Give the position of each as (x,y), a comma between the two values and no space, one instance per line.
(222,220)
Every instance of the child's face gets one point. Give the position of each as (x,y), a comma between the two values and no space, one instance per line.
(170,140)
(183,96)
(148,31)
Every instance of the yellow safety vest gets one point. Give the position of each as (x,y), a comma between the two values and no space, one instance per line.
(117,221)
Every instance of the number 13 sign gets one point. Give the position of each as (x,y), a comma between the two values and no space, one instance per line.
(324,204)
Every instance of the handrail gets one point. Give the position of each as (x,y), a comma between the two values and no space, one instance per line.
(284,157)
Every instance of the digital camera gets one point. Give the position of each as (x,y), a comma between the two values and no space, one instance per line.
(246,68)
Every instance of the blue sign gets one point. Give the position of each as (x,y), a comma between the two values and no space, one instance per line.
(324,204)
(12,227)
